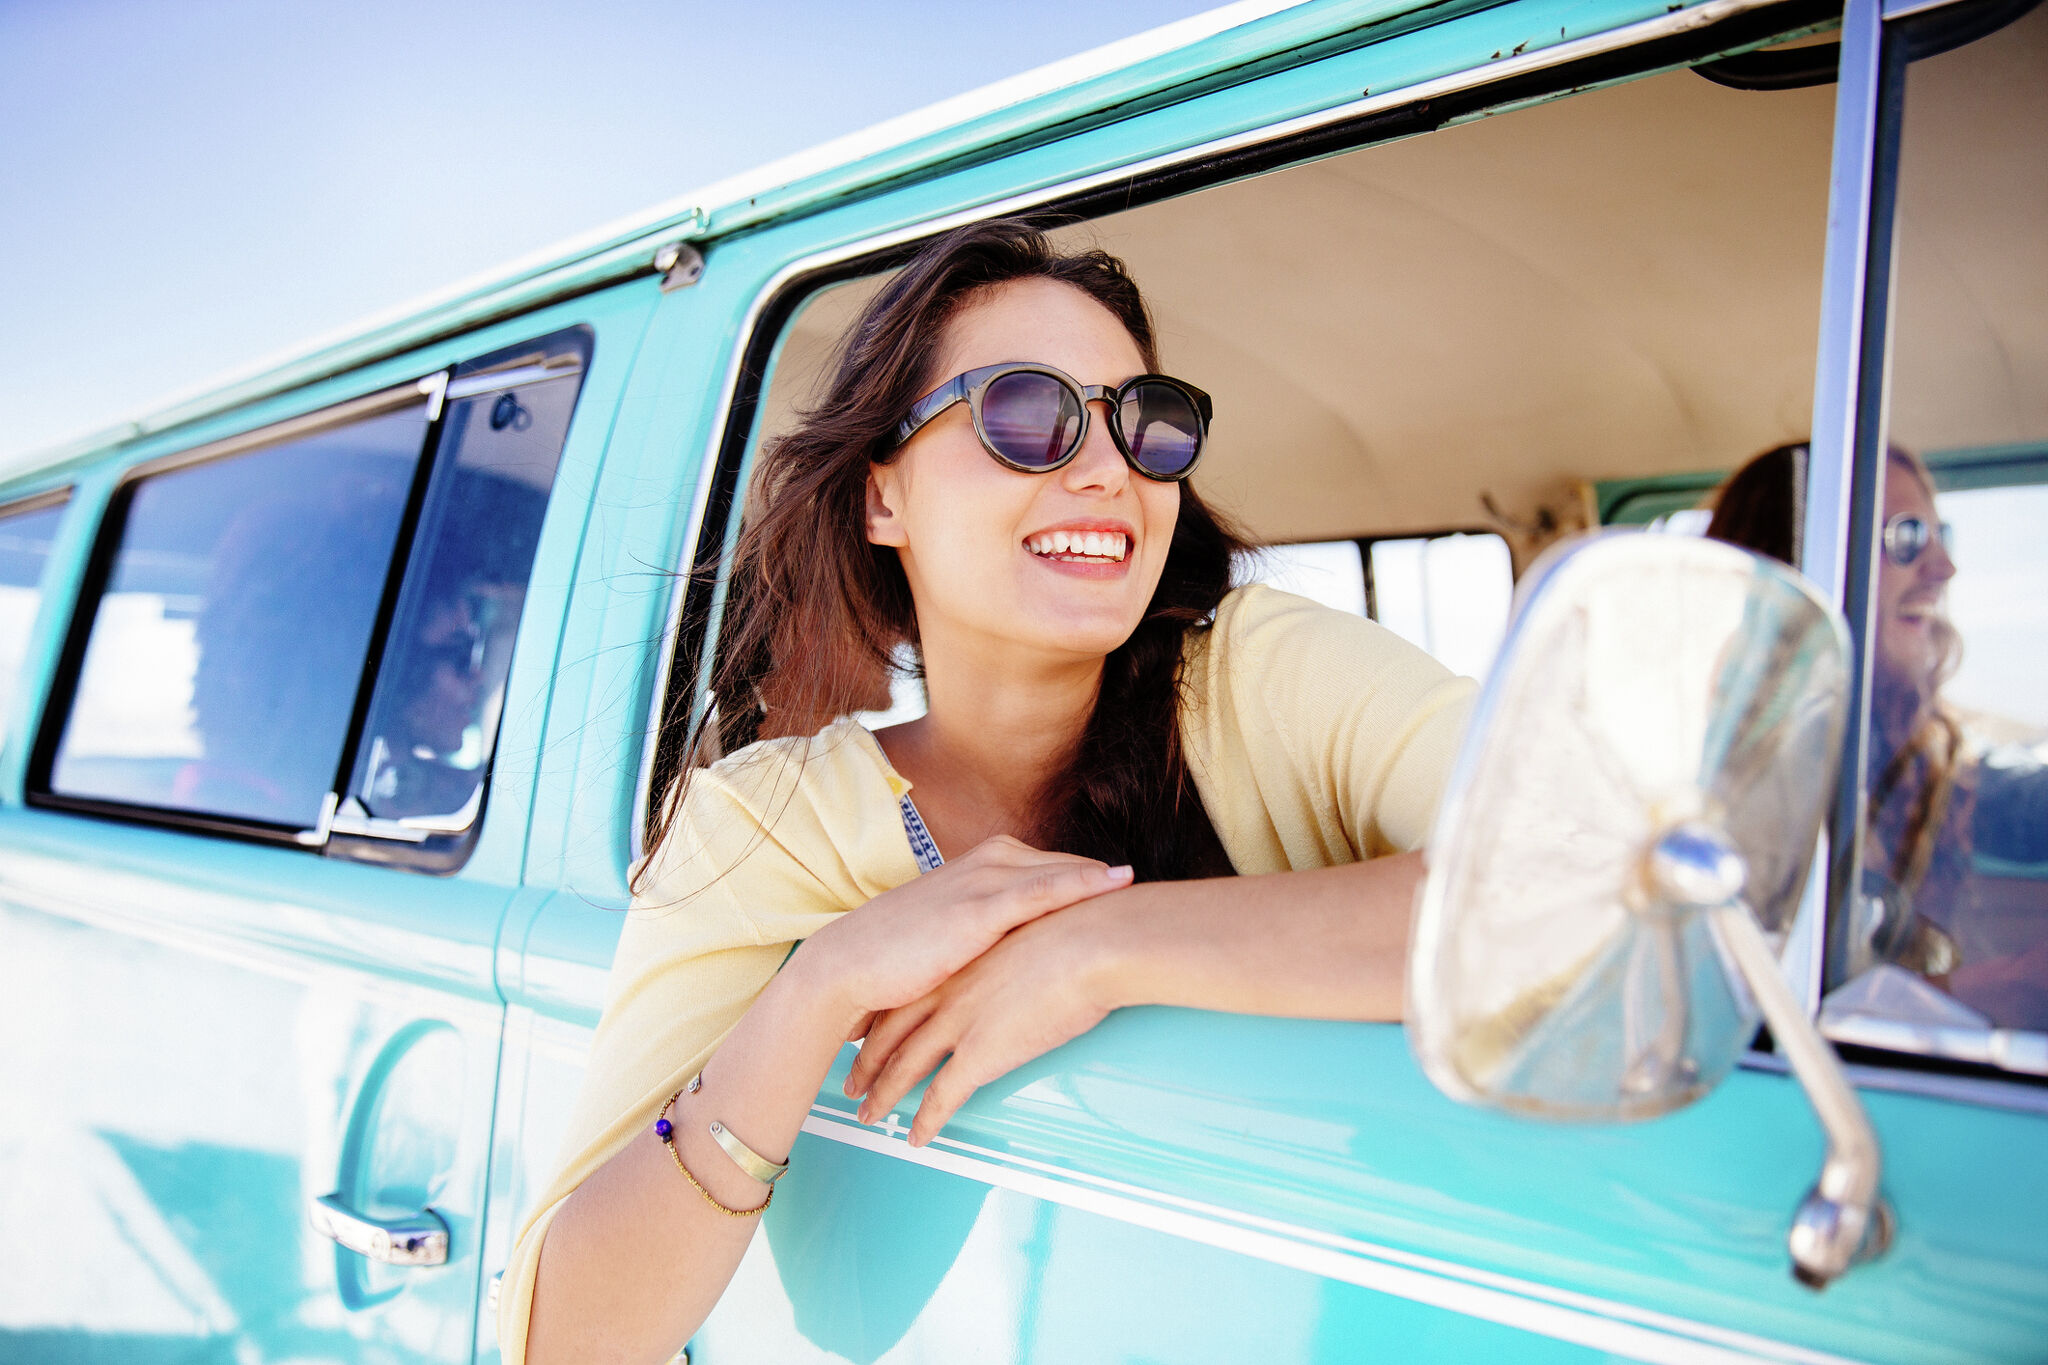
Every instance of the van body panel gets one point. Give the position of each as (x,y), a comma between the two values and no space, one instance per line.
(214,1033)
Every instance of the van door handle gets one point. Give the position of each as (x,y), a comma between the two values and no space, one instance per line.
(421,1239)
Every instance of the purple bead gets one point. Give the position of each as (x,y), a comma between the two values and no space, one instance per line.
(662,1129)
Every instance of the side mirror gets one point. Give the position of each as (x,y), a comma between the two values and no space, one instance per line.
(1623,846)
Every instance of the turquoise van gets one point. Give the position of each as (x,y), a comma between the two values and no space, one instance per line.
(332,701)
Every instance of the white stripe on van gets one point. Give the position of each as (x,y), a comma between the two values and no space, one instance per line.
(1582,1319)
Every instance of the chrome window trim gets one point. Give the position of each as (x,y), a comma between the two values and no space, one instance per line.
(564,366)
(1837,386)
(38,502)
(432,389)
(2016,1093)
(1629,35)
(1900,9)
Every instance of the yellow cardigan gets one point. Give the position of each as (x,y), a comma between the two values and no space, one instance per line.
(1314,738)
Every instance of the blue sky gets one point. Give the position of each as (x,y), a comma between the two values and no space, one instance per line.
(189,187)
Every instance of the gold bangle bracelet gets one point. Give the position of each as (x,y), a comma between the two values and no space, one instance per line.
(665,1133)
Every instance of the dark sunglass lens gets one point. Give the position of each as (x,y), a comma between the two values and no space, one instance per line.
(1160,428)
(1031,420)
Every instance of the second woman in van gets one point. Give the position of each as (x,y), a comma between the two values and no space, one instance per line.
(996,478)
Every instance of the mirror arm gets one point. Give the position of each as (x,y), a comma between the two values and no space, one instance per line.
(1843,1220)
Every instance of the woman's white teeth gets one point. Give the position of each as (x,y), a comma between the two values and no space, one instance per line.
(1105,545)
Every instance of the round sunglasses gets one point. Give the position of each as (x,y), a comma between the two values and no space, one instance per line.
(1906,538)
(1033,418)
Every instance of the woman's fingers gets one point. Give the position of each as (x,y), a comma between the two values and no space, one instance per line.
(955,1084)
(889,1029)
(913,1060)
(1052,887)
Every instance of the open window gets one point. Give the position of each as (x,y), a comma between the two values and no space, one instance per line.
(1473,328)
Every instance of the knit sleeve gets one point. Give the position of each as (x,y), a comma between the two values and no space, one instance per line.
(1316,737)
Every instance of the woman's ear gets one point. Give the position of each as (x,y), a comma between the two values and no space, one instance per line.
(885,493)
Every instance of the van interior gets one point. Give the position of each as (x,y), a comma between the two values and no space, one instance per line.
(1576,312)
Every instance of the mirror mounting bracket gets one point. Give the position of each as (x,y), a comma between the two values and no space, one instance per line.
(1843,1220)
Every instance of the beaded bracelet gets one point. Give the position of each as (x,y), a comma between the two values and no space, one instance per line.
(666,1132)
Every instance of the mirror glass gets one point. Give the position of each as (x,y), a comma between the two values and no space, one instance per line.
(1647,683)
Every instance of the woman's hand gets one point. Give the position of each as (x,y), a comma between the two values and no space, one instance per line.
(1044,983)
(1326,944)
(903,943)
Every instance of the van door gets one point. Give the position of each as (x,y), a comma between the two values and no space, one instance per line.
(252,1034)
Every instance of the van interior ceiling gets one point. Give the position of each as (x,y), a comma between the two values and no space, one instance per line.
(1617,284)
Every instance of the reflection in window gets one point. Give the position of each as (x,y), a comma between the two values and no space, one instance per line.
(433,720)
(25,540)
(227,648)
(1949,933)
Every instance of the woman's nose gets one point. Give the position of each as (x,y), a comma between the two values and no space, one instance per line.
(1098,466)
(1936,564)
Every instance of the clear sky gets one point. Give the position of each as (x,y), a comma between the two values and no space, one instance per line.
(188,187)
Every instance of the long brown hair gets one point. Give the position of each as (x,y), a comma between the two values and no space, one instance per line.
(1922,789)
(815,614)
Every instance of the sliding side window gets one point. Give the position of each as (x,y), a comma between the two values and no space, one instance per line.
(305,634)
(238,591)
(419,774)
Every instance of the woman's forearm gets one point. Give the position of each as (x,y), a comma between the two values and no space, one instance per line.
(1331,943)
(635,1258)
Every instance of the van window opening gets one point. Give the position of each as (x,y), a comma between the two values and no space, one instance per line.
(1526,367)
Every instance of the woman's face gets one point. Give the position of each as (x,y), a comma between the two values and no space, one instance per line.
(1911,618)
(973,535)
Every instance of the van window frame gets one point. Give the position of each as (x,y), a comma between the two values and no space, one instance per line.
(62,693)
(681,682)
(1839,541)
(27,504)
(438,846)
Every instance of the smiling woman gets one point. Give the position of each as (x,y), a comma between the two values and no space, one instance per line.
(1112,734)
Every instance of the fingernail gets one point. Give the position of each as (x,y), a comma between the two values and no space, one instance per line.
(862,1115)
(1121,874)
(846,1087)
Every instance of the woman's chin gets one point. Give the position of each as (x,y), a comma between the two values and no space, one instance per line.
(1075,630)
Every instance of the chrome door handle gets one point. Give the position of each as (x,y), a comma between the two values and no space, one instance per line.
(421,1239)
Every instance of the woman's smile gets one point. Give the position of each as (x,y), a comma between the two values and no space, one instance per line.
(1088,549)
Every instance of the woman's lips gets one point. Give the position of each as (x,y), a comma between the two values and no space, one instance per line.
(1917,610)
